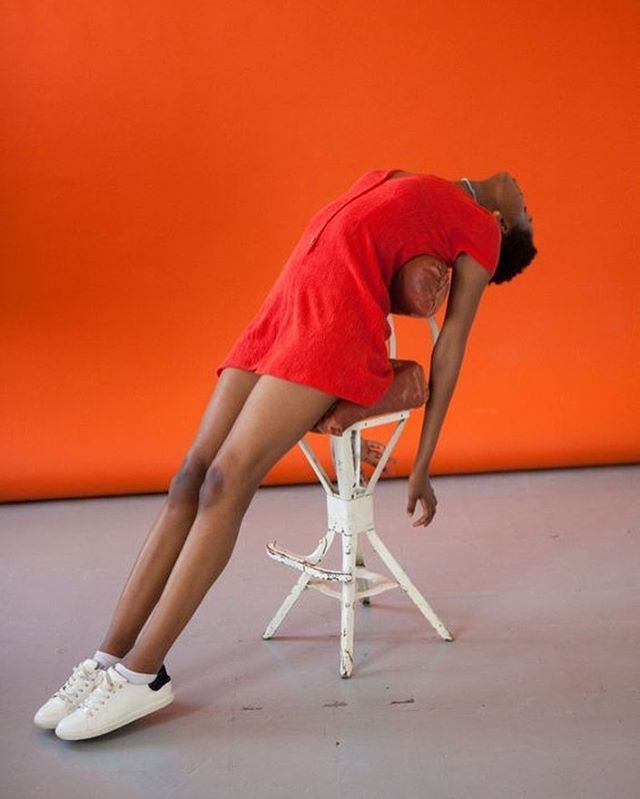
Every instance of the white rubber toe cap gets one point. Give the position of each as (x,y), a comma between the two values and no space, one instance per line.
(51,713)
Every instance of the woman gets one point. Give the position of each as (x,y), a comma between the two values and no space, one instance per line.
(318,337)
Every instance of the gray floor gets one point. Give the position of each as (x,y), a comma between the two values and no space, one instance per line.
(535,573)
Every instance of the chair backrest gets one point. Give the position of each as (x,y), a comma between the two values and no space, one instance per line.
(419,287)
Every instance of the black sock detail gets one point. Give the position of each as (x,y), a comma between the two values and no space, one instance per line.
(161,679)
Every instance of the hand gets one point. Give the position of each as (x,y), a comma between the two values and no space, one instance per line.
(420,489)
(371,452)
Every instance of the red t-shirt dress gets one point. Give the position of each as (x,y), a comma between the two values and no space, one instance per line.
(324,321)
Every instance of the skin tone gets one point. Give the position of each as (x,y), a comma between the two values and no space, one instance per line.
(250,422)
(501,195)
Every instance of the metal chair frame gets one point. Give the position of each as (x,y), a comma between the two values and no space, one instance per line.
(350,504)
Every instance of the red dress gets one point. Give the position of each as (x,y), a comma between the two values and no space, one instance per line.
(324,321)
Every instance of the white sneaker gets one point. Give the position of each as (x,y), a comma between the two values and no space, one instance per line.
(65,700)
(113,703)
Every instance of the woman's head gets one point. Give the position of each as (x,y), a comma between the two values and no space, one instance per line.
(505,200)
(517,250)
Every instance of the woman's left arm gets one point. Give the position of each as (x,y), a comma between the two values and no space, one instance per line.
(443,376)
(442,380)
(468,281)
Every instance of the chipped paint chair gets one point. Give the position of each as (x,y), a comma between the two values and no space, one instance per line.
(418,289)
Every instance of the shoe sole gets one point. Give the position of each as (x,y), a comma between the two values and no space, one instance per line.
(164,701)
(51,725)
(48,726)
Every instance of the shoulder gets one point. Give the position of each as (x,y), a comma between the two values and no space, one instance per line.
(469,272)
(478,235)
(468,281)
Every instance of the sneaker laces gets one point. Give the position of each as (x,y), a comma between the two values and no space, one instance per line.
(104,690)
(80,678)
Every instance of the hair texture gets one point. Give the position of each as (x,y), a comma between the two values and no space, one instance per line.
(517,250)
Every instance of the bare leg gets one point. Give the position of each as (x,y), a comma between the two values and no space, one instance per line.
(275,416)
(169,532)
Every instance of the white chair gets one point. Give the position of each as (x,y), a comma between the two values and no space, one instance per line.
(350,505)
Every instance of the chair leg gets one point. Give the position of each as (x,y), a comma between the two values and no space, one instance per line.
(347,610)
(285,607)
(405,583)
(314,557)
(362,584)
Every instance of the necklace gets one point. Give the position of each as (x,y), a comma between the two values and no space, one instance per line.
(470,187)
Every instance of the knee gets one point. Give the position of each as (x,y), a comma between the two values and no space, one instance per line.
(224,478)
(185,485)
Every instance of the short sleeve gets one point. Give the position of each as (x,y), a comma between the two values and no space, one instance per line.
(478,234)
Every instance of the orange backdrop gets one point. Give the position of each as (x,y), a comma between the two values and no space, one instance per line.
(160,160)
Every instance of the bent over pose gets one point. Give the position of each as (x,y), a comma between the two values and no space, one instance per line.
(318,337)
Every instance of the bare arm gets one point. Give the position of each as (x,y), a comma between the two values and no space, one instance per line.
(443,376)
(468,281)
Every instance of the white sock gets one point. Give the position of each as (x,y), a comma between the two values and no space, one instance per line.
(138,677)
(105,659)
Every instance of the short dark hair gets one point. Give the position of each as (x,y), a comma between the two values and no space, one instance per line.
(517,250)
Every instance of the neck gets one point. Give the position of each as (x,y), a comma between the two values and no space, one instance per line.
(480,188)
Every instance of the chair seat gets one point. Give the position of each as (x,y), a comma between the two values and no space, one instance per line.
(408,389)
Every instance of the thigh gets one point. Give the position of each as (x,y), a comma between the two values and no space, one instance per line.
(275,416)
(229,396)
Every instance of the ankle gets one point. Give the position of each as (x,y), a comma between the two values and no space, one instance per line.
(105,659)
(116,650)
(144,666)
(135,676)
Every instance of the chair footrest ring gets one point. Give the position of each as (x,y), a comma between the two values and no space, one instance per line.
(301,563)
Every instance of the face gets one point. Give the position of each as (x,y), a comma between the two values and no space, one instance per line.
(511,203)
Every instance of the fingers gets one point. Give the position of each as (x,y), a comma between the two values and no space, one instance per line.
(371,452)
(429,511)
(421,520)
(373,459)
